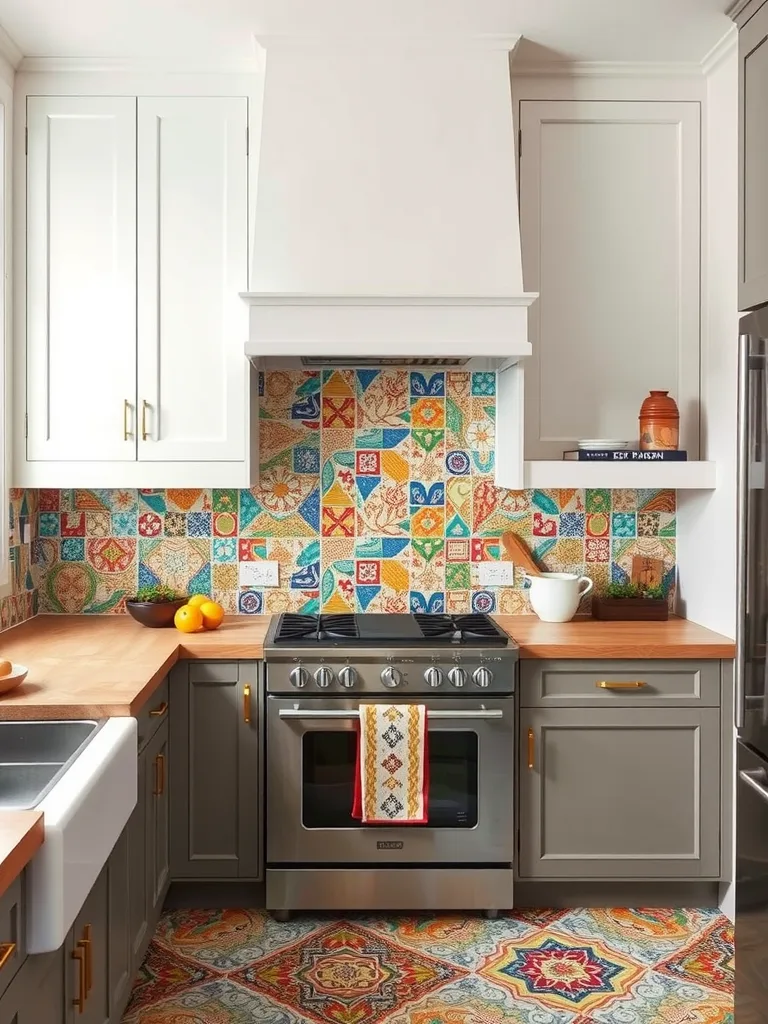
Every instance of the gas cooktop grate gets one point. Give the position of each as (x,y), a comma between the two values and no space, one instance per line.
(464,627)
(303,627)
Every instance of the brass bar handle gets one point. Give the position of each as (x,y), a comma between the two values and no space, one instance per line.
(247,704)
(159,711)
(156,790)
(161,759)
(127,432)
(144,407)
(79,1001)
(85,942)
(632,684)
(7,949)
(531,747)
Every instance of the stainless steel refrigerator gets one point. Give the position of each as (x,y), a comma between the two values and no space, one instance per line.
(751,1005)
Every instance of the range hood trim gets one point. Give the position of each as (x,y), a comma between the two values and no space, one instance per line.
(300,299)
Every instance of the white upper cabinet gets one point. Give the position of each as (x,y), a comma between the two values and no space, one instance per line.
(81,278)
(753,160)
(609,207)
(193,263)
(137,251)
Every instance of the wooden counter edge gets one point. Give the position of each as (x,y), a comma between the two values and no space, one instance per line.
(655,652)
(23,851)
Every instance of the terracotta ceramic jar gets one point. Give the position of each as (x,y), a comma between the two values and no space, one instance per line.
(659,422)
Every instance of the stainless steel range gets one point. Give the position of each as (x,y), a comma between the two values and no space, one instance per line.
(319,670)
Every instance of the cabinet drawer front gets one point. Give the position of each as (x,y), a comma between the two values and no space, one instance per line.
(214,672)
(619,684)
(153,714)
(13,949)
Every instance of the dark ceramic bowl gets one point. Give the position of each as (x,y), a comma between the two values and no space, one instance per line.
(152,613)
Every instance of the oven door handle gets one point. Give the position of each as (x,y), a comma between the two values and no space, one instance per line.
(471,714)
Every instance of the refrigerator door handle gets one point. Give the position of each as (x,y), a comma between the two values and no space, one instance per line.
(742,484)
(756,779)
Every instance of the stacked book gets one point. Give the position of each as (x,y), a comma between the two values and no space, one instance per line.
(609,450)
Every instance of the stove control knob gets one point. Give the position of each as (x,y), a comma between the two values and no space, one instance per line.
(483,676)
(433,676)
(457,676)
(348,676)
(391,676)
(324,677)
(299,677)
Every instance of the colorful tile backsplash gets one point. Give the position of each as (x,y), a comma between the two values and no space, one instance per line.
(21,603)
(376,494)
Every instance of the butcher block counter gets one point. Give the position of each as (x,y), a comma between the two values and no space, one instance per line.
(21,835)
(84,666)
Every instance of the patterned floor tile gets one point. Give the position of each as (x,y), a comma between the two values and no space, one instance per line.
(657,999)
(474,1000)
(164,974)
(344,974)
(217,1002)
(707,961)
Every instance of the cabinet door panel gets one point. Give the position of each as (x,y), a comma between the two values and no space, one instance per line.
(36,995)
(620,794)
(138,886)
(620,181)
(753,161)
(120,957)
(91,932)
(158,831)
(193,262)
(81,278)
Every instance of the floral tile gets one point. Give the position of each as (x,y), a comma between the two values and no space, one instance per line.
(291,395)
(383,398)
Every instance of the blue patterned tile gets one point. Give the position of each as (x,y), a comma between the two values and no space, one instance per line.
(306,460)
(198,524)
(49,524)
(623,524)
(457,462)
(250,602)
(124,524)
(572,524)
(224,549)
(483,384)
(423,386)
(483,601)
(431,604)
(73,549)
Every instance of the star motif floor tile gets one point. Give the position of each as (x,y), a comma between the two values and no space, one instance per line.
(587,966)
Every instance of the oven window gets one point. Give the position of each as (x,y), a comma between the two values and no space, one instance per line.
(328,766)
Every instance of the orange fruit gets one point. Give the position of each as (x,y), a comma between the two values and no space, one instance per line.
(213,614)
(188,619)
(197,599)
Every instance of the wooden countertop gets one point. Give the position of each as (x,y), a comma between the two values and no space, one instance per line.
(84,666)
(588,638)
(88,666)
(21,835)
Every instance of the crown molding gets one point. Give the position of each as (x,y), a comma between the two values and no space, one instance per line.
(136,65)
(385,42)
(721,50)
(736,8)
(9,50)
(608,69)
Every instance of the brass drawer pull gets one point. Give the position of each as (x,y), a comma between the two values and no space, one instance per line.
(79,1001)
(247,704)
(144,407)
(7,949)
(85,942)
(632,684)
(159,711)
(531,747)
(127,433)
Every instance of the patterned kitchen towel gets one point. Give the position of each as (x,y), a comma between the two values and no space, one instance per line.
(392,765)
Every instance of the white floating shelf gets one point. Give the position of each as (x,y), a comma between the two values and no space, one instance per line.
(662,475)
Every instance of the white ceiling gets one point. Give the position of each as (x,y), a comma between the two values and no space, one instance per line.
(221,30)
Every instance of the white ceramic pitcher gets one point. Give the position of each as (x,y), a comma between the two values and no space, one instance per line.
(555,596)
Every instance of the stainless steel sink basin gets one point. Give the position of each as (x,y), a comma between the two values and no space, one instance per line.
(34,756)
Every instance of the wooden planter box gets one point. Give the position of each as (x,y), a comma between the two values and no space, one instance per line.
(640,609)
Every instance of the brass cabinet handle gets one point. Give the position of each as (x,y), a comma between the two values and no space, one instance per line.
(144,407)
(79,1001)
(531,747)
(85,942)
(633,684)
(7,949)
(159,711)
(247,704)
(127,433)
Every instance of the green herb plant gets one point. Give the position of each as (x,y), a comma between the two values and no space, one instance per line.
(158,594)
(625,590)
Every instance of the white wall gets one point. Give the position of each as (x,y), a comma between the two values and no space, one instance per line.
(706,526)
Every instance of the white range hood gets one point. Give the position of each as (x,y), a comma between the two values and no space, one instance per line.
(387,227)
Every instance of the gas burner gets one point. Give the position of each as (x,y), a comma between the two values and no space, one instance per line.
(459,628)
(296,628)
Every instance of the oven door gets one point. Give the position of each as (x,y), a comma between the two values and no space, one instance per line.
(311,746)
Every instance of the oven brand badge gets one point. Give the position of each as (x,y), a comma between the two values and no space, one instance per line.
(388,844)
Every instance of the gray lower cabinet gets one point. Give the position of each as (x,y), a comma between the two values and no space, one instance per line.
(138,860)
(619,793)
(120,956)
(86,956)
(36,995)
(13,947)
(157,837)
(216,773)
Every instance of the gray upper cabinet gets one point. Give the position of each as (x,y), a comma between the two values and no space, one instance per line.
(753,157)
(216,770)
(619,793)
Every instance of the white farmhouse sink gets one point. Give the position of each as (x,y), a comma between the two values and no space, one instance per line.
(84,813)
